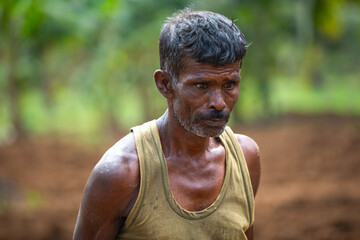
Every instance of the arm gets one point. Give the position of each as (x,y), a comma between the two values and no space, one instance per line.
(110,192)
(252,156)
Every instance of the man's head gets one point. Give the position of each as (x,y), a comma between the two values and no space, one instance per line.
(200,56)
(206,37)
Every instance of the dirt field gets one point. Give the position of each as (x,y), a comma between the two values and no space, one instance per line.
(309,187)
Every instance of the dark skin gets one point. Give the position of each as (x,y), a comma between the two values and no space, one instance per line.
(196,164)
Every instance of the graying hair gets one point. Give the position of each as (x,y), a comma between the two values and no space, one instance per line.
(204,36)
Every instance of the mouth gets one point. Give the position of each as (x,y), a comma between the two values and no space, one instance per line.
(215,122)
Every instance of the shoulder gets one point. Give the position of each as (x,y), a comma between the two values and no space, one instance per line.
(116,177)
(120,158)
(249,147)
(252,156)
(111,190)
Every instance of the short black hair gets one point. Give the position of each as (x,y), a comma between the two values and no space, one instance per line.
(204,36)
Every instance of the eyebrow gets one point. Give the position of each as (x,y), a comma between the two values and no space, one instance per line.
(235,79)
(200,79)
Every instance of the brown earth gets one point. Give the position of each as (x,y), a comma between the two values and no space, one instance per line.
(309,187)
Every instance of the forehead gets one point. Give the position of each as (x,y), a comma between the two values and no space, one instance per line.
(194,69)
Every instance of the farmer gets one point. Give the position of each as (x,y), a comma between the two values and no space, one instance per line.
(185,175)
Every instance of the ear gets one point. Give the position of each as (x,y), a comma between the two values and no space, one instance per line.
(163,83)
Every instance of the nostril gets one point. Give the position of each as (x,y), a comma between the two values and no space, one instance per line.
(217,103)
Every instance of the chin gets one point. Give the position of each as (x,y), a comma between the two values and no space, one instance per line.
(208,132)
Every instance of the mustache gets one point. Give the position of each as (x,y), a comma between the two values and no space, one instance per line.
(214,114)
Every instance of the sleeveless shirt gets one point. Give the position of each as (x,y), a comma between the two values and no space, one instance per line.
(157,215)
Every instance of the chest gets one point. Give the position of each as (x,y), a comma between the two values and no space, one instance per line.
(197,186)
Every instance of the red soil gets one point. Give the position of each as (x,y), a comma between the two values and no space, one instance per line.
(309,187)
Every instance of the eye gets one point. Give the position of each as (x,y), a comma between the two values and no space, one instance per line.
(201,85)
(229,85)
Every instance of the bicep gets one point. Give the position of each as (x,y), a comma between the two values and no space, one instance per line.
(98,217)
(252,156)
(110,192)
(254,167)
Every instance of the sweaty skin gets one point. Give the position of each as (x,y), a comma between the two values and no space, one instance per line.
(196,160)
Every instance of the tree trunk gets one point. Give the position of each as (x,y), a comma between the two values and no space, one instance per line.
(13,88)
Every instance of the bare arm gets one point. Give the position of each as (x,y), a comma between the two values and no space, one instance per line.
(252,156)
(110,192)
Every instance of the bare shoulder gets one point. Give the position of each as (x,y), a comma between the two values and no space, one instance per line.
(249,147)
(110,192)
(117,174)
(252,155)
(120,163)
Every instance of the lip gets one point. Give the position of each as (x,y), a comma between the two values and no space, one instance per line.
(216,122)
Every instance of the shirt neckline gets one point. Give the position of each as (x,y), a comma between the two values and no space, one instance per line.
(166,182)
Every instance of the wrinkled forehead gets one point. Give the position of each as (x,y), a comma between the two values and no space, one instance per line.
(191,64)
(195,69)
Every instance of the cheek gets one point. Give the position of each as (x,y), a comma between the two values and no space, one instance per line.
(182,104)
(232,99)
(193,101)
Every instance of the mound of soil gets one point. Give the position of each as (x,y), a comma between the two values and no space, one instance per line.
(309,186)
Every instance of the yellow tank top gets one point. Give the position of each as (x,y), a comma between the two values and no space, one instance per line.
(157,215)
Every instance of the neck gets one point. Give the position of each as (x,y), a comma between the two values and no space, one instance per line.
(177,141)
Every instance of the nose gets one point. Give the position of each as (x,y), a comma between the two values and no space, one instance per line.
(216,100)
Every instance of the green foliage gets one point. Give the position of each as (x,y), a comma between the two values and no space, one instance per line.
(86,66)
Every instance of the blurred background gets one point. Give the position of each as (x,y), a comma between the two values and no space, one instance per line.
(76,75)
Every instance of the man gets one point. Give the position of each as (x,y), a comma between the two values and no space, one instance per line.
(185,175)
